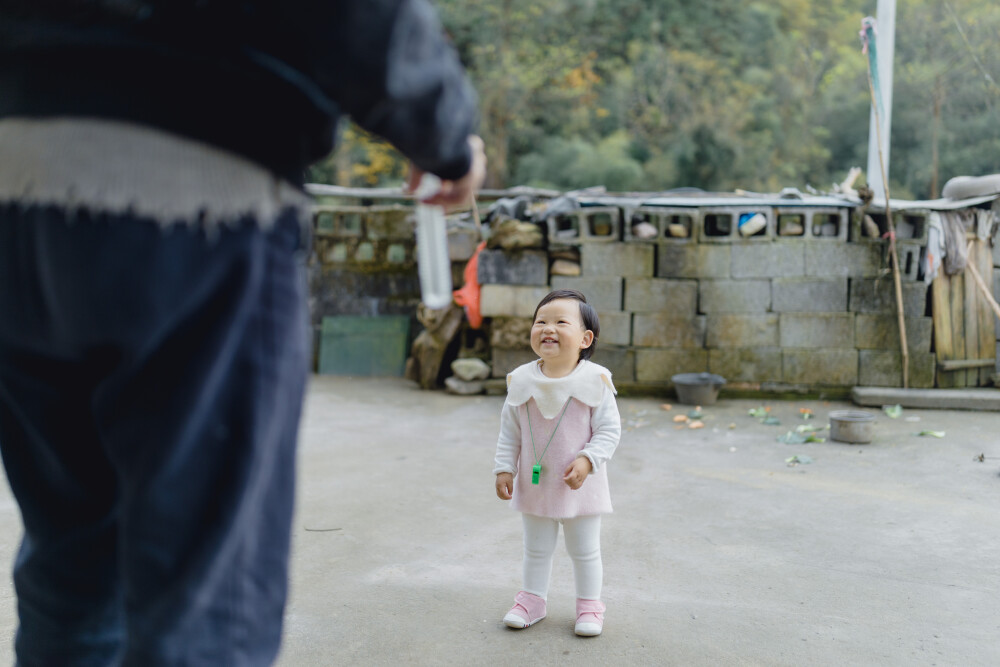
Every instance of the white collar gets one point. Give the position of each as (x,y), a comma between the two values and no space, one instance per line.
(586,383)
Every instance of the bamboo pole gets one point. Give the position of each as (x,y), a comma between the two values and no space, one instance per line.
(891,233)
(983,287)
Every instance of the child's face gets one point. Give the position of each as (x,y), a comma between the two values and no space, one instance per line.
(558,333)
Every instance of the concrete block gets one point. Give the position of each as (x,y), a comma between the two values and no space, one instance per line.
(808,295)
(720,224)
(513,267)
(617,259)
(883,368)
(658,365)
(665,330)
(619,360)
(734,296)
(655,295)
(462,242)
(742,331)
(504,361)
(510,300)
(837,368)
(852,260)
(603,293)
(881,332)
(782,258)
(616,328)
(879,296)
(692,260)
(742,364)
(510,333)
(586,225)
(822,330)
(909,254)
(392,223)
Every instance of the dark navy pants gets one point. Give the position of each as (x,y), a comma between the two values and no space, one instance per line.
(151,382)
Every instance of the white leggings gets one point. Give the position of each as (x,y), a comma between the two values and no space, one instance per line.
(583,542)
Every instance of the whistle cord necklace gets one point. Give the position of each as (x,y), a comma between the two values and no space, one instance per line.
(536,470)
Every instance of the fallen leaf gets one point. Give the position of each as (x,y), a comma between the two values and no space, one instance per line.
(758,412)
(680,418)
(732,426)
(696,424)
(893,411)
(936,434)
(771,421)
(696,414)
(666,406)
(797,459)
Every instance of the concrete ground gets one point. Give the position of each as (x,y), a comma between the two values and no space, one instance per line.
(718,553)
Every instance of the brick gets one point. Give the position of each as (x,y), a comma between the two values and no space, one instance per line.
(616,328)
(462,242)
(779,259)
(510,333)
(619,360)
(653,295)
(391,223)
(514,267)
(756,364)
(604,294)
(825,330)
(692,260)
(875,296)
(741,331)
(883,368)
(734,296)
(881,332)
(828,260)
(837,368)
(510,300)
(658,365)
(504,361)
(816,295)
(617,259)
(665,330)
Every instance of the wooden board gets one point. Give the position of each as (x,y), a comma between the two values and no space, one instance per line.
(987,332)
(941,314)
(971,317)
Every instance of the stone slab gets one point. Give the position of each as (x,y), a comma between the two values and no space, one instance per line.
(779,259)
(665,330)
(933,399)
(881,332)
(504,361)
(658,365)
(734,296)
(617,259)
(692,260)
(817,330)
(513,267)
(808,295)
(462,242)
(879,296)
(654,295)
(510,300)
(817,367)
(616,328)
(742,331)
(758,364)
(510,333)
(603,293)
(883,368)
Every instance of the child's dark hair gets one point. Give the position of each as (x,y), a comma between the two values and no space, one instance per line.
(587,314)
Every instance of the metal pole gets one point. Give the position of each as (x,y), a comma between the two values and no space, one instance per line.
(886,43)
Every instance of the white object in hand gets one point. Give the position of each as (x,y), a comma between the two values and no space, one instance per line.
(433,263)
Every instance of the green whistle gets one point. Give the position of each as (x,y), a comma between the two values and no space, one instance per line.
(536,470)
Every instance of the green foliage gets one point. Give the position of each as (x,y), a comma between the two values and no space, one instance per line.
(758,94)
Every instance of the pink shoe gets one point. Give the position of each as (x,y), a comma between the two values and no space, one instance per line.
(589,617)
(528,609)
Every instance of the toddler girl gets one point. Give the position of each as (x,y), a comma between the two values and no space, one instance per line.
(558,428)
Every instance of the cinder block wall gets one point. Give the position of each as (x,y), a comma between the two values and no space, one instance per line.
(771,312)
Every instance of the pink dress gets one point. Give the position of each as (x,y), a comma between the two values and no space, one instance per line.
(551,497)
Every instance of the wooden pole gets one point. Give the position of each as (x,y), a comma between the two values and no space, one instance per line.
(971,267)
(891,233)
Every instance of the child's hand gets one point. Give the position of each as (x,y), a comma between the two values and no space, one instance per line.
(505,485)
(577,472)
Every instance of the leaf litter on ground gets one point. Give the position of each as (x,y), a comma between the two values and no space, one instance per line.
(893,411)
(793,461)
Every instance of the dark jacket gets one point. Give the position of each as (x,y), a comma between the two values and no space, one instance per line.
(265,78)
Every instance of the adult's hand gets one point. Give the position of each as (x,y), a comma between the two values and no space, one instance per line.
(459,192)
